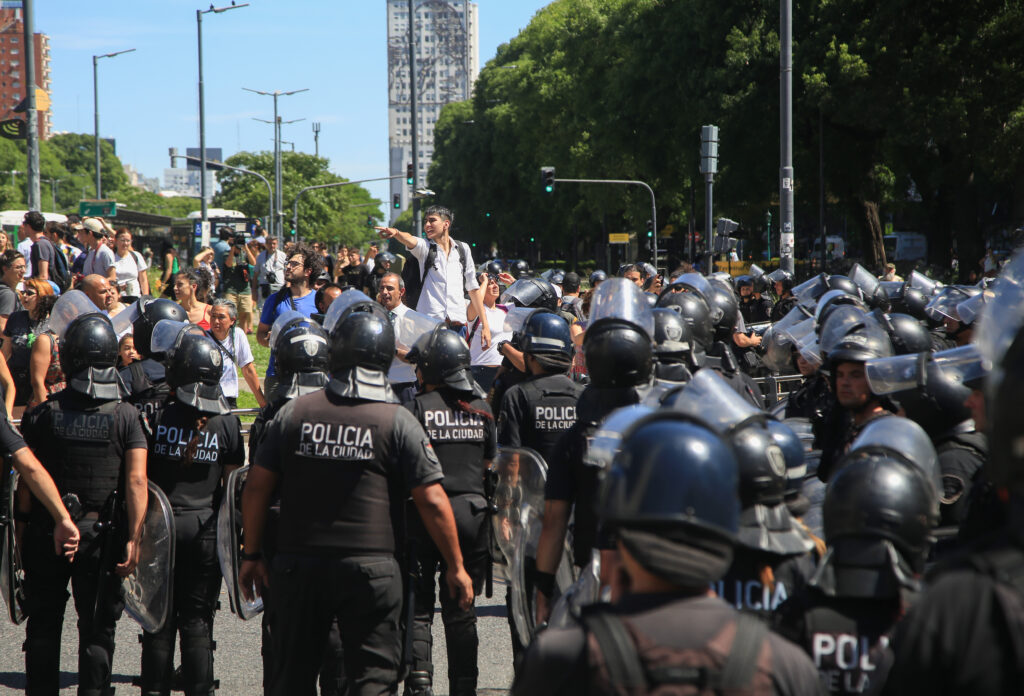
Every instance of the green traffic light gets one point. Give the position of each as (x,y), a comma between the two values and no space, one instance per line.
(531,240)
(549,188)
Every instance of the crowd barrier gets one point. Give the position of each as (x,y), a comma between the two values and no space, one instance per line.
(775,387)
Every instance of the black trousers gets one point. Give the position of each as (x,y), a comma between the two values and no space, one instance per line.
(197,580)
(46,595)
(363,593)
(459,625)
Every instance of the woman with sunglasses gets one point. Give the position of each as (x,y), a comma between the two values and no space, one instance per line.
(20,334)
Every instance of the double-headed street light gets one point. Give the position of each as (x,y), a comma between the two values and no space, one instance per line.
(202,108)
(278,215)
(96,112)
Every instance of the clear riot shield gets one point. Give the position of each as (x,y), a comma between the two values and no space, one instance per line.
(12,577)
(519,500)
(410,326)
(148,590)
(229,544)
(585,591)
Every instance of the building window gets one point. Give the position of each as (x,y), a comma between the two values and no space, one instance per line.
(14,51)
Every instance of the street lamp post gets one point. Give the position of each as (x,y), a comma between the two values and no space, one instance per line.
(202,107)
(53,191)
(96,113)
(243,170)
(295,206)
(786,176)
(278,215)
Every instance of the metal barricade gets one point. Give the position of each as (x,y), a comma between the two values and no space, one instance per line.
(775,387)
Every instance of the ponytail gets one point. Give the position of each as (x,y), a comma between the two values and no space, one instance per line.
(193,444)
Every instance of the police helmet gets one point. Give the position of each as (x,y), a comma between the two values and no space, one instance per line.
(936,402)
(88,354)
(193,373)
(442,358)
(673,339)
(545,332)
(618,354)
(878,517)
(781,276)
(493,268)
(694,311)
(362,337)
(793,452)
(914,302)
(850,335)
(844,283)
(301,358)
(384,259)
(903,439)
(743,281)
(724,299)
(519,269)
(534,293)
(907,334)
(765,522)
(150,312)
(673,471)
(834,299)
(597,277)
(556,277)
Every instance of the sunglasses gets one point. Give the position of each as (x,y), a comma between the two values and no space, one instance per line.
(28,293)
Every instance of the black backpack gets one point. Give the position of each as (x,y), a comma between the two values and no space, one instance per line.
(60,273)
(413,277)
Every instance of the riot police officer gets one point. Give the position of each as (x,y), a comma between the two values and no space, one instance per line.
(677,355)
(195,443)
(342,455)
(89,442)
(754,308)
(146,378)
(461,429)
(620,360)
(879,512)
(782,284)
(667,634)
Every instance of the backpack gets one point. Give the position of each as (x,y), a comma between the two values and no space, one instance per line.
(413,277)
(624,661)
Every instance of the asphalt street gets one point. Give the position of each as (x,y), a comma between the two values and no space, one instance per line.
(237,661)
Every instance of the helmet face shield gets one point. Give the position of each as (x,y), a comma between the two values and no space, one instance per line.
(68,307)
(618,298)
(168,334)
(904,439)
(343,302)
(711,399)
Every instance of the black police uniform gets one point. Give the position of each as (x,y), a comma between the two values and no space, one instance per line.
(835,435)
(463,438)
(83,443)
(563,661)
(147,386)
(536,412)
(755,310)
(847,638)
(722,359)
(759,582)
(961,458)
(189,465)
(345,467)
(812,400)
(782,308)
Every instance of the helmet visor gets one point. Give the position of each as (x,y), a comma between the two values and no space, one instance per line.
(283,322)
(798,332)
(522,293)
(756,271)
(777,276)
(167,334)
(410,326)
(864,279)
(618,298)
(69,307)
(844,321)
(919,281)
(963,364)
(342,302)
(808,292)
(971,308)
(944,304)
(810,349)
(906,439)
(709,398)
(793,317)
(895,374)
(778,350)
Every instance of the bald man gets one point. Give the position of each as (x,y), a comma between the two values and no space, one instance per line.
(98,289)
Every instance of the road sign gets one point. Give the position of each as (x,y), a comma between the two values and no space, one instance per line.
(13,129)
(667,230)
(618,238)
(94,208)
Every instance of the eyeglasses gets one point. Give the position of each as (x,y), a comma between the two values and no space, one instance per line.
(294,263)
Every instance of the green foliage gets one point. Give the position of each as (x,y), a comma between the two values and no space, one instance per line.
(929,97)
(336,215)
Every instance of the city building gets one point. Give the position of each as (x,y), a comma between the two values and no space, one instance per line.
(12,67)
(185,180)
(139,180)
(447,64)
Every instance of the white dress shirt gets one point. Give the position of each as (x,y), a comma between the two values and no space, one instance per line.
(442,296)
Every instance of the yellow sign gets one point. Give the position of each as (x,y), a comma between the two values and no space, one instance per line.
(668,230)
(618,238)
(42,99)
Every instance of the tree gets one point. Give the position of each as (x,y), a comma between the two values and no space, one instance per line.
(336,215)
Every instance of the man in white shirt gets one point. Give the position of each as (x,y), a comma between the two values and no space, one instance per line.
(392,288)
(270,268)
(448,279)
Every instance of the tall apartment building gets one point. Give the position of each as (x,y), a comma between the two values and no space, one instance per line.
(447,64)
(12,66)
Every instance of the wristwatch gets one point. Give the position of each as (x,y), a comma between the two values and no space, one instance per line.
(251,556)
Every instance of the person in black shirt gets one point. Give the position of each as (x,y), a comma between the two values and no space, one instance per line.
(195,444)
(92,444)
(355,273)
(346,458)
(460,426)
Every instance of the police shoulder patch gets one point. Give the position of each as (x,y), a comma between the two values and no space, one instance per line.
(429,453)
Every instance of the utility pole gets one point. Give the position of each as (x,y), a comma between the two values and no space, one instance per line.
(417,222)
(709,167)
(316,139)
(786,175)
(96,114)
(32,118)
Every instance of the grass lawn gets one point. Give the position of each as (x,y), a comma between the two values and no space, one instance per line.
(261,357)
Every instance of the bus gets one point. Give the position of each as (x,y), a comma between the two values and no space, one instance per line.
(218,217)
(10,222)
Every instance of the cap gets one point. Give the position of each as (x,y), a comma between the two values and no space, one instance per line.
(260,240)
(97,226)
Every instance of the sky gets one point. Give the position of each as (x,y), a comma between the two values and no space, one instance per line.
(148,99)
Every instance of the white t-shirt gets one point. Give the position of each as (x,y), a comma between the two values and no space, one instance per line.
(496,322)
(128,268)
(401,372)
(274,265)
(99,260)
(442,295)
(237,344)
(25,249)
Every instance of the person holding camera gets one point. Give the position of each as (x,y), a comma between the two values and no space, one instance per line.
(235,275)
(270,267)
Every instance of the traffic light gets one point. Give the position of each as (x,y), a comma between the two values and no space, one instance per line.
(396,201)
(531,240)
(370,221)
(292,232)
(408,174)
(547,179)
(650,229)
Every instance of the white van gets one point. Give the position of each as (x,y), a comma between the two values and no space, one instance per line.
(905,246)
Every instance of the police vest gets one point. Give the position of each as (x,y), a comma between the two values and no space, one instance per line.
(744,586)
(336,481)
(458,438)
(195,484)
(848,640)
(550,411)
(83,455)
(146,395)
